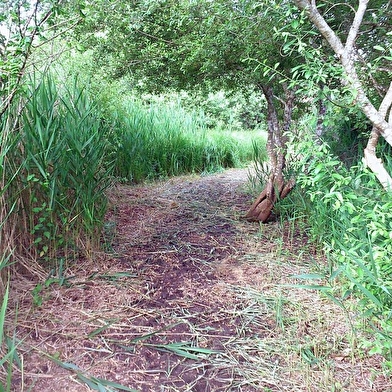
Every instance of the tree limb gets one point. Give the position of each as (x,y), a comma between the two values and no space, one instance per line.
(354,29)
(346,59)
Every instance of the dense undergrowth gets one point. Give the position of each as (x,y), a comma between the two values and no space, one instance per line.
(342,207)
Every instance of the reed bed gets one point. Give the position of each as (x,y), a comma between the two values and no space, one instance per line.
(57,172)
(155,142)
(61,150)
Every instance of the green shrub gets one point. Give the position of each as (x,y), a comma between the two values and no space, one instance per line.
(350,215)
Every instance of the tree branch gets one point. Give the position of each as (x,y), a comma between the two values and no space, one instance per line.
(354,29)
(315,17)
(346,59)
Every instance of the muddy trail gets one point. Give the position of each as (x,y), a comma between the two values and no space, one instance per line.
(188,296)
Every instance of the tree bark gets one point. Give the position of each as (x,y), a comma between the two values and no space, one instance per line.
(346,54)
(276,187)
(370,158)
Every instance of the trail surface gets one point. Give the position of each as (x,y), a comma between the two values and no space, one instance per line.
(190,297)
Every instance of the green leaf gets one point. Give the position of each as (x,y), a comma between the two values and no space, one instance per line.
(310,287)
(101,329)
(294,24)
(115,385)
(96,384)
(2,313)
(184,349)
(308,276)
(369,295)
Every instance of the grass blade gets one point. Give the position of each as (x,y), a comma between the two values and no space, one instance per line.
(183,349)
(96,384)
(101,329)
(2,313)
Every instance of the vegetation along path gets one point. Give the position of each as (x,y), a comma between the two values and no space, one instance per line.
(189,297)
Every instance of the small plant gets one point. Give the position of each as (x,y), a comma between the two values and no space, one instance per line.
(56,276)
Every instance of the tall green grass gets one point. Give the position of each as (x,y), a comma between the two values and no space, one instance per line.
(160,141)
(59,162)
(7,244)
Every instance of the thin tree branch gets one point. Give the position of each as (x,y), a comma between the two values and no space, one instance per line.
(354,29)
(346,60)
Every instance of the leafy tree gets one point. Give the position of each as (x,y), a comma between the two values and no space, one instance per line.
(180,44)
(24,26)
(362,45)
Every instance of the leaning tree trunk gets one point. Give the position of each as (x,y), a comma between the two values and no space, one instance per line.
(277,187)
(347,55)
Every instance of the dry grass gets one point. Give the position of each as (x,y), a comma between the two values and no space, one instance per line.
(186,269)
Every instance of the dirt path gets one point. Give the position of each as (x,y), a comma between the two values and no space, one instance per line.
(189,297)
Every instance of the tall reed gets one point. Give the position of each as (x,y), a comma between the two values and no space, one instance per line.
(60,169)
(7,241)
(158,141)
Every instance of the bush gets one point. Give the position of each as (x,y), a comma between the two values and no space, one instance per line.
(350,215)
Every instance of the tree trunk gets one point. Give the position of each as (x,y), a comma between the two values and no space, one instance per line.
(276,187)
(347,57)
(261,210)
(321,112)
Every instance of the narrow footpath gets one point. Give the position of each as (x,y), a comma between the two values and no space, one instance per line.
(188,296)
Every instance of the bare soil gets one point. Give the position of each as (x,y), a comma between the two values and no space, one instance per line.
(188,296)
